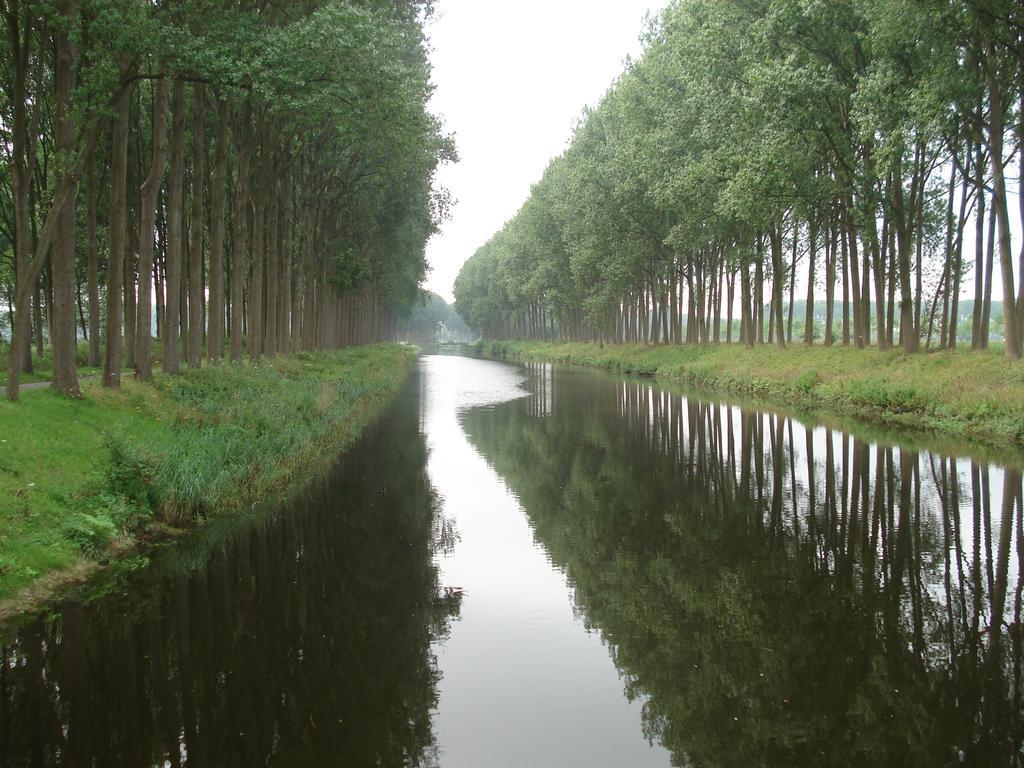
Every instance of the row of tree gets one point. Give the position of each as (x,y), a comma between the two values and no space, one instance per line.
(863,147)
(257,177)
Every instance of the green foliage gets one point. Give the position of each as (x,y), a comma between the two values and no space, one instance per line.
(744,127)
(231,443)
(335,91)
(129,475)
(90,532)
(891,398)
(807,381)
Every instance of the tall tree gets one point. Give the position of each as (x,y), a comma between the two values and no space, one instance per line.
(118,234)
(198,227)
(148,198)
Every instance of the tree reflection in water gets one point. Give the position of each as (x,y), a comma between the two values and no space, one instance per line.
(781,595)
(301,640)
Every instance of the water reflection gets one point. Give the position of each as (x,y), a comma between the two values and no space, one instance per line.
(771,594)
(524,683)
(302,640)
(784,595)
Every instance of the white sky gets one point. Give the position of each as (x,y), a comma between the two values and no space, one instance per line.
(512,79)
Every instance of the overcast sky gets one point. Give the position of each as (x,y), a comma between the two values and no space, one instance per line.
(512,79)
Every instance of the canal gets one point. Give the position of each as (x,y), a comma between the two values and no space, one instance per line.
(544,566)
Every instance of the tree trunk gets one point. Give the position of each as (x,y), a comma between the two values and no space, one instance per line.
(284,321)
(39,320)
(118,233)
(195,262)
(746,319)
(159,276)
(759,292)
(792,283)
(134,176)
(977,335)
(855,286)
(148,198)
(950,260)
(918,213)
(904,243)
(812,256)
(830,283)
(175,230)
(64,340)
(239,245)
(878,264)
(130,307)
(308,281)
(80,303)
(865,295)
(1002,215)
(273,288)
(731,282)
(778,281)
(717,331)
(1020,202)
(890,304)
(183,288)
(21,352)
(63,195)
(256,301)
(48,293)
(986,304)
(218,209)
(845,265)
(91,268)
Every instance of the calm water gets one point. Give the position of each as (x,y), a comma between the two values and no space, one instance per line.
(527,566)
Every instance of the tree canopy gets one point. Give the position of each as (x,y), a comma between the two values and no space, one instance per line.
(846,145)
(305,229)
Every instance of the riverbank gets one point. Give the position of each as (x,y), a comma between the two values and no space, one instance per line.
(977,396)
(82,482)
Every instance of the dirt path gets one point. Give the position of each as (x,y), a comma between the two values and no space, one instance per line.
(44,384)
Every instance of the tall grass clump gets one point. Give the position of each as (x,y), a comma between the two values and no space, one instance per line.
(243,431)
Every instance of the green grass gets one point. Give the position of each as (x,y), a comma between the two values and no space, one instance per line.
(977,396)
(83,480)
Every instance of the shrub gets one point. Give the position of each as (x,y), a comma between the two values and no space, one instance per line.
(807,381)
(130,473)
(892,397)
(90,532)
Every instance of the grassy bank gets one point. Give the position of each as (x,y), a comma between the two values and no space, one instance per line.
(977,396)
(82,481)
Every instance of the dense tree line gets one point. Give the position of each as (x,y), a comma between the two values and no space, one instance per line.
(865,148)
(255,177)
